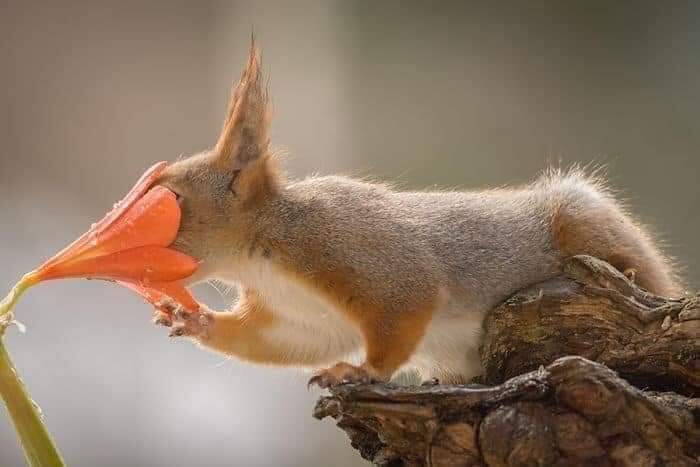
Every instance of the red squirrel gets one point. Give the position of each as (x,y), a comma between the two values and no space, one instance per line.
(332,268)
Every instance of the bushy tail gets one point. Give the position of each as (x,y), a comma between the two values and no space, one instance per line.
(588,219)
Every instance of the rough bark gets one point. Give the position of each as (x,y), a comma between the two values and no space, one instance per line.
(574,411)
(597,313)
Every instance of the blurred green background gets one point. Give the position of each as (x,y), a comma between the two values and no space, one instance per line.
(449,94)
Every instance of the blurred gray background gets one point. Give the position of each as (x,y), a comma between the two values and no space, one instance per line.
(447,94)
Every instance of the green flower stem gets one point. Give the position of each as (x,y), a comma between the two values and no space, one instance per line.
(39,448)
(10,301)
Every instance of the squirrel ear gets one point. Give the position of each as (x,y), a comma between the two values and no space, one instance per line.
(244,137)
(243,145)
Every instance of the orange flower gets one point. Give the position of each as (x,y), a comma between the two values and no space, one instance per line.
(130,246)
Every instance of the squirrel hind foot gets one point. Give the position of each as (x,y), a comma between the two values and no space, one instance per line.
(343,373)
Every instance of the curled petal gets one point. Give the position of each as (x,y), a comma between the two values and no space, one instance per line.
(152,221)
(129,245)
(156,293)
(144,264)
(88,243)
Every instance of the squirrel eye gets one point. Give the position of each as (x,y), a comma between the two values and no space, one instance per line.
(178,196)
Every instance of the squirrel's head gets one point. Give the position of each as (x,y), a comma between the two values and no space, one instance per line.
(222,190)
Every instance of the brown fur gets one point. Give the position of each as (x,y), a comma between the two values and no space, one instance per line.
(406,276)
(589,221)
(391,330)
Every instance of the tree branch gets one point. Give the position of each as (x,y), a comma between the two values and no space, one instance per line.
(575,411)
(653,342)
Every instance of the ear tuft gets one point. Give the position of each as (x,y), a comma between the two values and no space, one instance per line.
(244,136)
(243,148)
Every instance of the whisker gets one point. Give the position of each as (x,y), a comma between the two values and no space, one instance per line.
(222,289)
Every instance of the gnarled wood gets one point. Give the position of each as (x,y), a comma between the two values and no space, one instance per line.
(653,342)
(573,412)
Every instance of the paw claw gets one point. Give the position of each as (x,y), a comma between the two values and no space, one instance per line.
(324,381)
(342,373)
(166,305)
(163,320)
(178,331)
(314,380)
(181,314)
(184,323)
(203,320)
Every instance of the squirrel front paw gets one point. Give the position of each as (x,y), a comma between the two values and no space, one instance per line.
(181,322)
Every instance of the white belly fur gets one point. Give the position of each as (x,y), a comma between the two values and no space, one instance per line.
(449,350)
(308,324)
(311,325)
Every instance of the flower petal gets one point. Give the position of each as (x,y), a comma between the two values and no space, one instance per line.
(152,220)
(144,264)
(129,246)
(139,189)
(87,241)
(157,292)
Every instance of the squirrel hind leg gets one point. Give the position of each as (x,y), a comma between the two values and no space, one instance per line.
(389,344)
(594,224)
